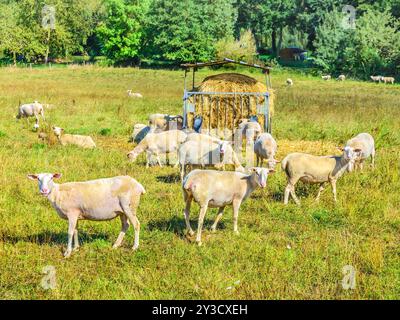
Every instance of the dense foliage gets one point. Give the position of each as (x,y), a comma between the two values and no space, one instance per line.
(127,31)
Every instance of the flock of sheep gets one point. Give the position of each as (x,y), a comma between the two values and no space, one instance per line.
(342,77)
(106,199)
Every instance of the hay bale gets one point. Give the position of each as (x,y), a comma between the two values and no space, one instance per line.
(222,111)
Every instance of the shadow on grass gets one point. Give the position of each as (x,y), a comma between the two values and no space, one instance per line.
(56,238)
(177,225)
(171,178)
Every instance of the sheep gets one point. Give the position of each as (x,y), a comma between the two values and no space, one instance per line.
(165,122)
(342,77)
(265,147)
(31,110)
(205,153)
(158,143)
(376,78)
(96,200)
(326,77)
(388,79)
(217,189)
(134,94)
(289,82)
(365,142)
(139,132)
(317,169)
(78,140)
(247,130)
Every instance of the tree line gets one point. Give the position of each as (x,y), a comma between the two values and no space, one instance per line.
(362,41)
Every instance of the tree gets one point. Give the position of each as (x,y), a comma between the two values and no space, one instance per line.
(121,33)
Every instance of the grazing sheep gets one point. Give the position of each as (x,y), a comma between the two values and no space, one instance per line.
(205,153)
(158,143)
(289,82)
(247,130)
(342,77)
(265,147)
(75,139)
(388,79)
(96,200)
(365,142)
(376,78)
(139,132)
(317,169)
(164,122)
(134,94)
(326,77)
(31,110)
(218,189)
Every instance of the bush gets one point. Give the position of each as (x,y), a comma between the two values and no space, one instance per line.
(243,49)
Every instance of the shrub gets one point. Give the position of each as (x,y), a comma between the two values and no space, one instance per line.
(243,49)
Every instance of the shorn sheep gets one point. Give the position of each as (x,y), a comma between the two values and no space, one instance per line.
(156,144)
(317,169)
(365,142)
(134,94)
(97,200)
(266,147)
(326,77)
(31,110)
(342,77)
(376,78)
(218,189)
(74,139)
(388,80)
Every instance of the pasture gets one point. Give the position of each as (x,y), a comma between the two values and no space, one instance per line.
(282,252)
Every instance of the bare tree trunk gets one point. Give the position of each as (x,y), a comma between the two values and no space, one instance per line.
(15,58)
(48,46)
(273,42)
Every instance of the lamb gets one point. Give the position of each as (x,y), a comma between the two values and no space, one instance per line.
(365,142)
(164,122)
(205,153)
(217,189)
(388,79)
(157,144)
(289,82)
(139,132)
(265,147)
(31,110)
(317,169)
(326,77)
(342,77)
(96,200)
(75,139)
(134,94)
(376,78)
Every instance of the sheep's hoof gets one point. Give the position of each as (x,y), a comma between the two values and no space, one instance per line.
(236,232)
(134,248)
(67,254)
(199,243)
(213,230)
(190,233)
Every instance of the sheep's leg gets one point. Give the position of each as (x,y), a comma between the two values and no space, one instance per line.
(71,230)
(188,200)
(219,216)
(131,215)
(76,240)
(202,214)
(287,193)
(293,194)
(361,165)
(124,228)
(159,160)
(291,190)
(42,114)
(373,158)
(148,158)
(321,188)
(333,183)
(258,161)
(236,206)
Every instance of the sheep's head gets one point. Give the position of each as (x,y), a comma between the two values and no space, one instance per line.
(58,131)
(45,181)
(132,155)
(261,175)
(351,155)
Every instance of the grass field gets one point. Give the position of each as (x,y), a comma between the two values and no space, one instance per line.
(281,252)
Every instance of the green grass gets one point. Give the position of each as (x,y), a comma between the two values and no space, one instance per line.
(281,253)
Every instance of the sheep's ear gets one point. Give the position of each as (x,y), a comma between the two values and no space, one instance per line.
(32,176)
(57,175)
(271,171)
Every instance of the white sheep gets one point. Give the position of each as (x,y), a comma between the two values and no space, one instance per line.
(289,82)
(326,77)
(75,139)
(134,94)
(218,189)
(342,77)
(317,169)
(376,78)
(164,122)
(205,153)
(388,80)
(365,142)
(157,144)
(97,200)
(266,147)
(31,110)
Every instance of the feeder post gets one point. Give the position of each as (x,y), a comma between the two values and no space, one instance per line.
(185,97)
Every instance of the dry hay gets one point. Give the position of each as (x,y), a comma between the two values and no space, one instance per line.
(230,109)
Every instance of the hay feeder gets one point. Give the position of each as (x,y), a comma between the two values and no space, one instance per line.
(221,101)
